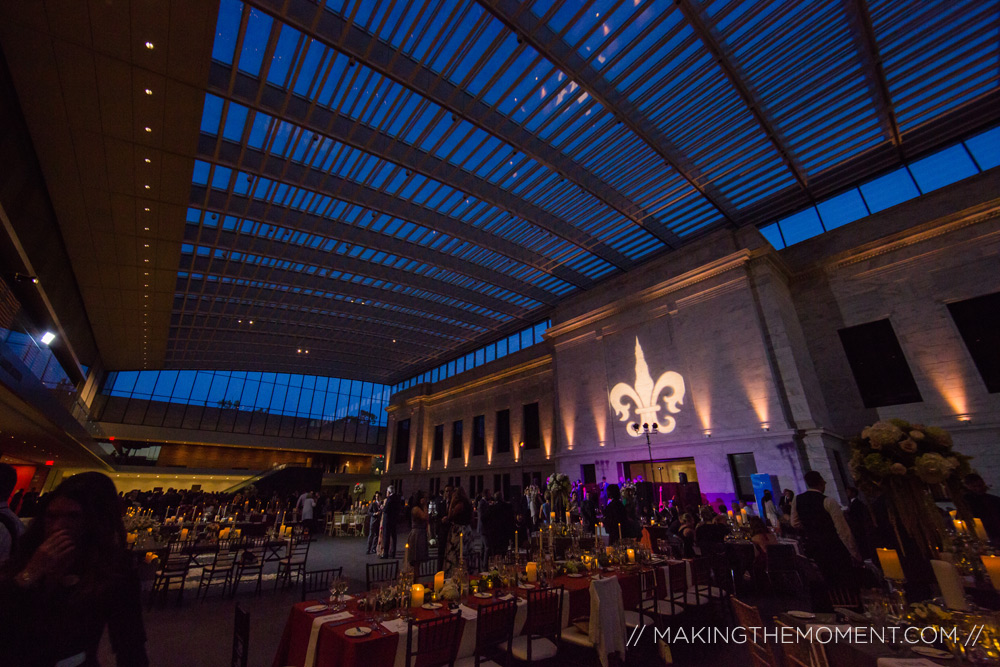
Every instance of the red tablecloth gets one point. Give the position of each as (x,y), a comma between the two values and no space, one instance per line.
(335,649)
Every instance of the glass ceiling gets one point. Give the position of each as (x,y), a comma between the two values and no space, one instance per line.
(395,184)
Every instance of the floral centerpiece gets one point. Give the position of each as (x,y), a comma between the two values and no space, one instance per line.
(359,490)
(559,487)
(136,521)
(902,461)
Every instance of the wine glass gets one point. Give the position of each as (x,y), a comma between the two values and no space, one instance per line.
(342,586)
(334,587)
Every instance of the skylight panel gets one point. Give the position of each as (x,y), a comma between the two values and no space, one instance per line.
(255,42)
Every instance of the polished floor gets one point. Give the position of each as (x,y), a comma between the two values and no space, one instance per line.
(199,633)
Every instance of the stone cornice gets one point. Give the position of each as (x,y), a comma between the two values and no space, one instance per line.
(911,237)
(714,268)
(538,363)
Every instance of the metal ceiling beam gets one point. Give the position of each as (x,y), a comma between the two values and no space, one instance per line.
(282,337)
(350,289)
(382,272)
(727,63)
(227,358)
(860,21)
(206,265)
(283,171)
(263,97)
(334,229)
(526,25)
(315,21)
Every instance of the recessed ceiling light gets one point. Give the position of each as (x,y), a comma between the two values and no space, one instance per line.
(148,161)
(147,211)
(149,45)
(145,245)
(147,187)
(149,129)
(149,91)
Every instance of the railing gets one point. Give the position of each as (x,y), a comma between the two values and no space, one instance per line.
(256,478)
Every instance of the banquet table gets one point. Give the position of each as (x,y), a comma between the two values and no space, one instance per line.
(868,654)
(331,647)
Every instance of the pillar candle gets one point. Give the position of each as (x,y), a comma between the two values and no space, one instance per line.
(532,571)
(954,514)
(631,555)
(730,513)
(992,564)
(980,530)
(130,538)
(739,519)
(416,595)
(184,534)
(567,517)
(239,531)
(552,517)
(891,567)
(438,582)
(609,550)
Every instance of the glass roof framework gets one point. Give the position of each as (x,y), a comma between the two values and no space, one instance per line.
(448,171)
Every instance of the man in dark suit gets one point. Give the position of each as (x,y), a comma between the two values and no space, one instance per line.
(390,517)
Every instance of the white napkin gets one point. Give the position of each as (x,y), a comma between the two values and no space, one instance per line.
(467,613)
(397,625)
(342,616)
(314,634)
(906,662)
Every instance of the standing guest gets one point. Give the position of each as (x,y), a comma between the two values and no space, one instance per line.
(70,578)
(588,513)
(785,504)
(826,537)
(615,516)
(770,512)
(481,510)
(499,526)
(443,526)
(308,507)
(543,512)
(417,538)
(984,506)
(390,517)
(11,527)
(374,521)
(603,497)
(533,506)
(459,518)
(859,518)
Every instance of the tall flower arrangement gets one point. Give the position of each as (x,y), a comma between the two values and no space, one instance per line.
(901,462)
(559,487)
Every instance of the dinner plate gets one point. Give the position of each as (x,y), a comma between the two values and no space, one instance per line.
(575,575)
(802,614)
(483,595)
(929,652)
(316,608)
(358,631)
(526,587)
(431,605)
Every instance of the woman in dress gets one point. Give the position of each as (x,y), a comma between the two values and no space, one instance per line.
(459,518)
(687,532)
(417,539)
(71,578)
(374,523)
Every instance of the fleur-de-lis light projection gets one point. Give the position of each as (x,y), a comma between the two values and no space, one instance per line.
(645,396)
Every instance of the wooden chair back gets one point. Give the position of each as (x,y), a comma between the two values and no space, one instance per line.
(495,624)
(544,613)
(436,641)
(380,573)
(241,638)
(318,581)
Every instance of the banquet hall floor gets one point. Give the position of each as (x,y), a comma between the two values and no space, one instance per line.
(199,633)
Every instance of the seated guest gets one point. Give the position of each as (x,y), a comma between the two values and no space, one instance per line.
(710,534)
(687,534)
(761,536)
(70,578)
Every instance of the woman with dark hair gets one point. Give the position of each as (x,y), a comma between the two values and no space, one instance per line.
(417,539)
(460,520)
(687,534)
(71,577)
